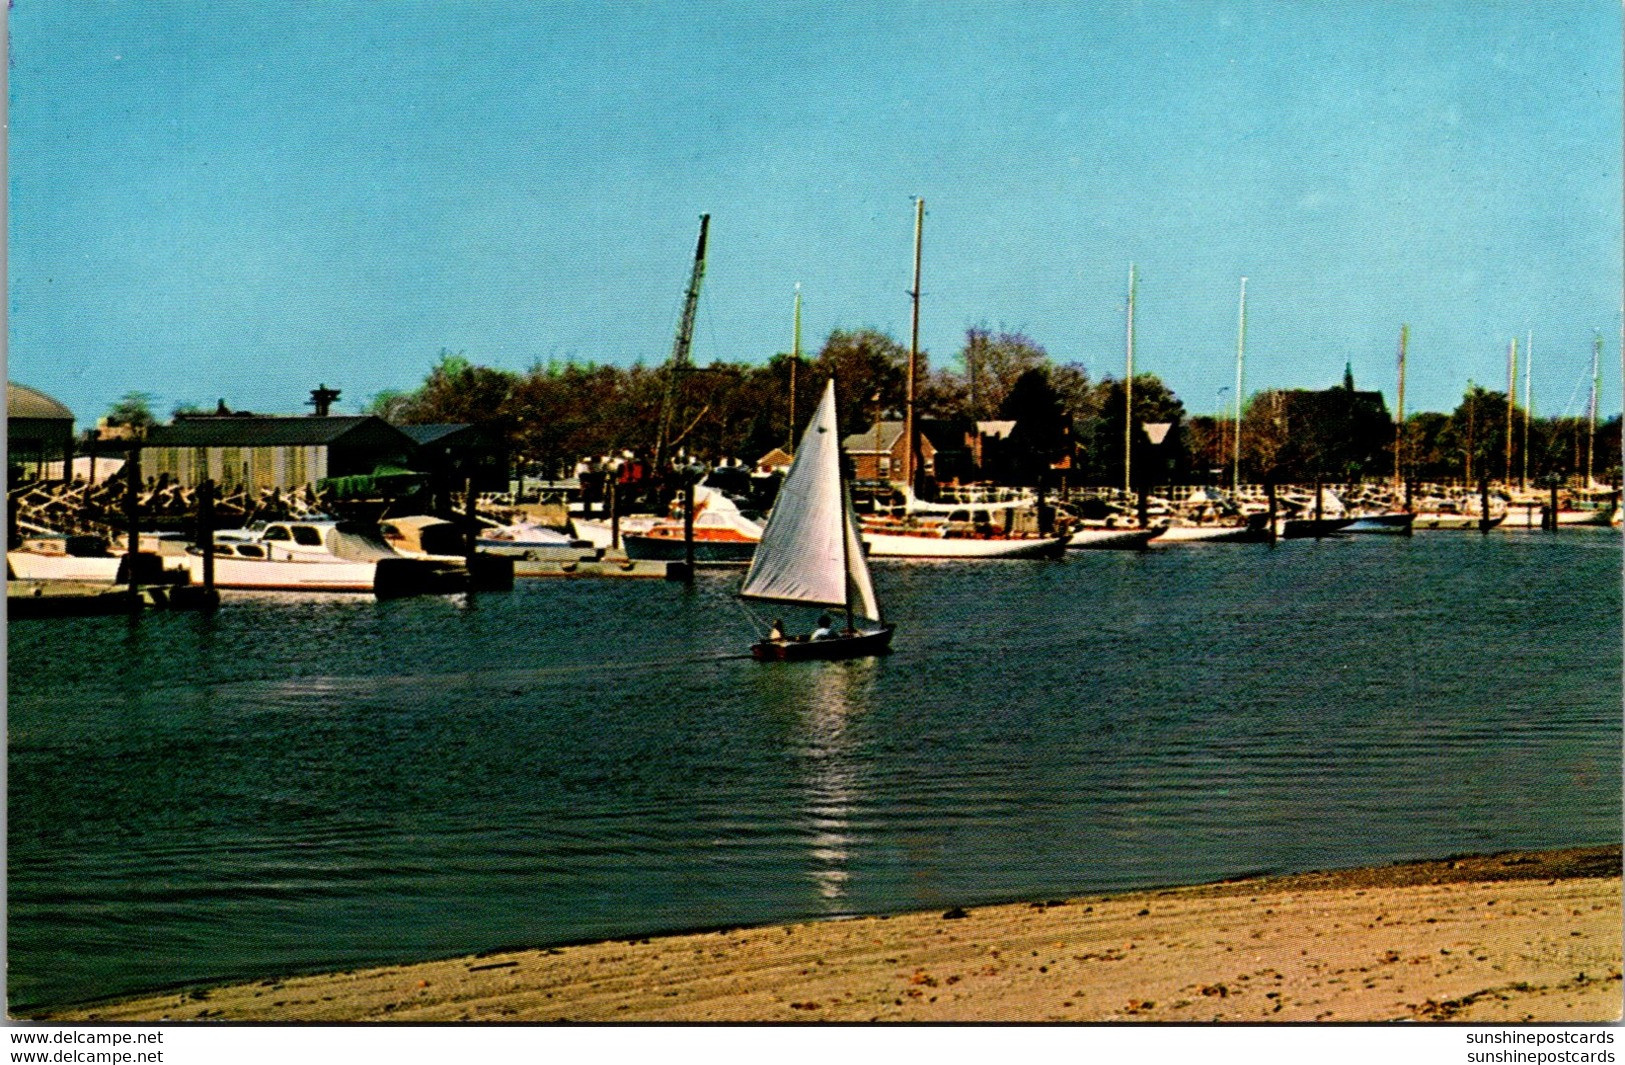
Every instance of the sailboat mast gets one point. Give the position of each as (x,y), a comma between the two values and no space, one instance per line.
(1399,416)
(1241,349)
(1591,436)
(1528,409)
(1512,396)
(1128,392)
(913,352)
(795,359)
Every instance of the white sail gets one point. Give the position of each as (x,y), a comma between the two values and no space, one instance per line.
(810,550)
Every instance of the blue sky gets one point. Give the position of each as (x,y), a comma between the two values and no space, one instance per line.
(241,200)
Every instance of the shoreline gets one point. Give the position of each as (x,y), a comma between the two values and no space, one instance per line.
(1516,936)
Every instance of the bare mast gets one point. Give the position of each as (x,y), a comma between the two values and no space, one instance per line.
(1241,348)
(681,346)
(1591,437)
(1399,417)
(1528,404)
(1128,392)
(795,359)
(1512,403)
(913,352)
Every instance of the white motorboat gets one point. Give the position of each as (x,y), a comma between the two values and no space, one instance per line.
(320,556)
(89,560)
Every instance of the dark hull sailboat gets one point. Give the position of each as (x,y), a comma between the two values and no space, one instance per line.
(843,645)
(810,554)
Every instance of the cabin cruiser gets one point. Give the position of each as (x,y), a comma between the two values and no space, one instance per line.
(321,556)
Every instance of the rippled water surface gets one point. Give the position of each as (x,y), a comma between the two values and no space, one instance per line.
(321,783)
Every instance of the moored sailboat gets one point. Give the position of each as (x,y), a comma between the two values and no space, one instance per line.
(810,554)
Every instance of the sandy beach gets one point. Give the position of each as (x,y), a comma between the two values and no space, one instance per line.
(1511,937)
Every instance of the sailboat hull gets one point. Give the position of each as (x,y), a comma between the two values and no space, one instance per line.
(860,645)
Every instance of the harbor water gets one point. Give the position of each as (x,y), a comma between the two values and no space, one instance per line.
(305,783)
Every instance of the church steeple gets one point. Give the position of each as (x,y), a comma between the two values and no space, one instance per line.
(1348,376)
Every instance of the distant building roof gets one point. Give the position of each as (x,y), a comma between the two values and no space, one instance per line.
(297,431)
(446,433)
(1001,430)
(775,459)
(864,443)
(25,402)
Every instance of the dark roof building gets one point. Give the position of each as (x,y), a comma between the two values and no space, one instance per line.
(38,430)
(257,451)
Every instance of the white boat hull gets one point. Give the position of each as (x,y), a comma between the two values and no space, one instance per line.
(1112,539)
(1521,517)
(86,569)
(279,575)
(28,566)
(902,545)
(1206,534)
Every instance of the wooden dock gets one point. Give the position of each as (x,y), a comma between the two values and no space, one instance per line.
(75,599)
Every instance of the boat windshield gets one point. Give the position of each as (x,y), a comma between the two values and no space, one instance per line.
(356,542)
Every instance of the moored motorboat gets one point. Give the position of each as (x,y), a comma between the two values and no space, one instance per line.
(528,540)
(321,556)
(721,533)
(89,560)
(1393,523)
(1109,538)
(916,538)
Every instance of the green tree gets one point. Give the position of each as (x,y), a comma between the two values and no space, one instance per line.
(1043,431)
(993,362)
(133,409)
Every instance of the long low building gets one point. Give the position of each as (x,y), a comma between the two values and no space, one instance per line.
(258,452)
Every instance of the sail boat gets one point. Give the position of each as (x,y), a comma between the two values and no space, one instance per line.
(810,553)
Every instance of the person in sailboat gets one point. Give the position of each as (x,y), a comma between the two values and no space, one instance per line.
(825,629)
(776,633)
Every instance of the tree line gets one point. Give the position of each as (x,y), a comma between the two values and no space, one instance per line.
(554,415)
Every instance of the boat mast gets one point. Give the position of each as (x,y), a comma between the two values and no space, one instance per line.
(913,354)
(1241,348)
(1128,391)
(1591,437)
(1528,405)
(1512,403)
(795,358)
(1399,417)
(846,538)
(680,347)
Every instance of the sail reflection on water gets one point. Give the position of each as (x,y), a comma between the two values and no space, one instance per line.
(833,778)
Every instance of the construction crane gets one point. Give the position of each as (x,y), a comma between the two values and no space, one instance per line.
(680,347)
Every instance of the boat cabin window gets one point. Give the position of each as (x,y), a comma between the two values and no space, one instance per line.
(305,535)
(275,532)
(251,550)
